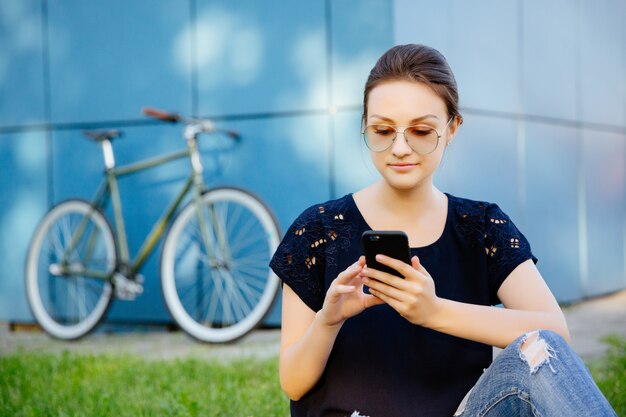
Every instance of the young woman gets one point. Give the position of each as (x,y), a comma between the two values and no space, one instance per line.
(415,346)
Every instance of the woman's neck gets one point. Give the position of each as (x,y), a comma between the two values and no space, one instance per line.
(407,202)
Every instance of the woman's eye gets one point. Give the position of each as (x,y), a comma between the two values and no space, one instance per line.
(420,131)
(383,130)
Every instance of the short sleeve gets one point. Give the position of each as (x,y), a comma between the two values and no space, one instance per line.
(505,247)
(300,260)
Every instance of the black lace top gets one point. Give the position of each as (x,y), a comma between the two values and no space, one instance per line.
(382,365)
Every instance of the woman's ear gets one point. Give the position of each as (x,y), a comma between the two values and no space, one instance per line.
(454,125)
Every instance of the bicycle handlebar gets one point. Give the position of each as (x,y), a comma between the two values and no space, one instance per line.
(206,125)
(161,115)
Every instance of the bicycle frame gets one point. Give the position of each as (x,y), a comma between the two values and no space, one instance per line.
(108,188)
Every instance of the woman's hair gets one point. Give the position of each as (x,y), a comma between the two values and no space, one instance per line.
(418,63)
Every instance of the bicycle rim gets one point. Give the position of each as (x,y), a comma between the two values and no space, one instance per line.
(220,291)
(69,305)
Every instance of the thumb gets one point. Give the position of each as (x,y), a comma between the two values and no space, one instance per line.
(415,263)
(338,290)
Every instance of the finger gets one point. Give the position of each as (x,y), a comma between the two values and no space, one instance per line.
(336,291)
(347,275)
(415,262)
(408,271)
(370,300)
(387,278)
(392,302)
(344,289)
(388,290)
(400,266)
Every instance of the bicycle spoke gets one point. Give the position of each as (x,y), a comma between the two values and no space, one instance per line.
(211,308)
(250,241)
(258,281)
(239,232)
(246,289)
(56,246)
(237,297)
(221,230)
(260,259)
(234,218)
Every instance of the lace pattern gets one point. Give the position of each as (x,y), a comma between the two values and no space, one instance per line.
(310,245)
(505,246)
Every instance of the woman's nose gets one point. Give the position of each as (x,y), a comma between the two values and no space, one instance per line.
(400,145)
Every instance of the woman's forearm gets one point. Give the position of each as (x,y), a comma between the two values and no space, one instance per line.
(493,325)
(302,363)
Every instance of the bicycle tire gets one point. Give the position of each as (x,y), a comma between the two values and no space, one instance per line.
(221,296)
(68,306)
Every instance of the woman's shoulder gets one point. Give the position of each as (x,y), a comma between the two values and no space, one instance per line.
(465,208)
(328,211)
(477,218)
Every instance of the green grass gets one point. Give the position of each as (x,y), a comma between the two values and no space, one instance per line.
(609,373)
(81,385)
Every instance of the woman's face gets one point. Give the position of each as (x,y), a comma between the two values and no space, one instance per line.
(408,103)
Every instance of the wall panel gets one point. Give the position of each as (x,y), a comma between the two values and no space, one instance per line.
(110,59)
(602,75)
(252,58)
(21,63)
(552,189)
(23,201)
(361,32)
(549,59)
(604,165)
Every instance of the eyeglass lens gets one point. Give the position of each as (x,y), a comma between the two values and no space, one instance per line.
(422,139)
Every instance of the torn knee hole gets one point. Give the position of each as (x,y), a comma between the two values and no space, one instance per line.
(536,352)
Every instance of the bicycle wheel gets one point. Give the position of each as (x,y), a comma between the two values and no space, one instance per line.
(71,246)
(215,276)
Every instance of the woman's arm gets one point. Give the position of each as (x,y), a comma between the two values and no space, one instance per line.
(307,337)
(305,344)
(529,305)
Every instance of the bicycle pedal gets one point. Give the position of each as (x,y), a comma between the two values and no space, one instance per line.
(126,289)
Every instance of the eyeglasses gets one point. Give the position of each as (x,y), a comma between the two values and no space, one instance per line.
(421,138)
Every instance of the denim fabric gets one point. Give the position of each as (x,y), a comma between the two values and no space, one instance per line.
(560,385)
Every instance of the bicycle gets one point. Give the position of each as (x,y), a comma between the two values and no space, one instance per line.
(214,260)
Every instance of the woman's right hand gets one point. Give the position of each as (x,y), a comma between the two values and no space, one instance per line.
(345,297)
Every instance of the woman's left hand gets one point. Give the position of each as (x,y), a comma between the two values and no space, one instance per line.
(413,297)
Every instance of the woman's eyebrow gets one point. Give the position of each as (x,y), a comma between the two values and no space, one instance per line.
(416,120)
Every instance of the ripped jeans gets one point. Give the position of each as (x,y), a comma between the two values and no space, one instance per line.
(536,375)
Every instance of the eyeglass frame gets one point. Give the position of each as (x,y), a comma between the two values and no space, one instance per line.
(405,139)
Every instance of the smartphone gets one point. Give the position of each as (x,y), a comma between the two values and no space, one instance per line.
(392,243)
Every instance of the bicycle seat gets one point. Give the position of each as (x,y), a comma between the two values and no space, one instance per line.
(100,135)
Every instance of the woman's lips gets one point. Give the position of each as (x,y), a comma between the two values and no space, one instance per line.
(403,167)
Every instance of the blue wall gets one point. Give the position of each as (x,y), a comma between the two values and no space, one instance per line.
(542,85)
